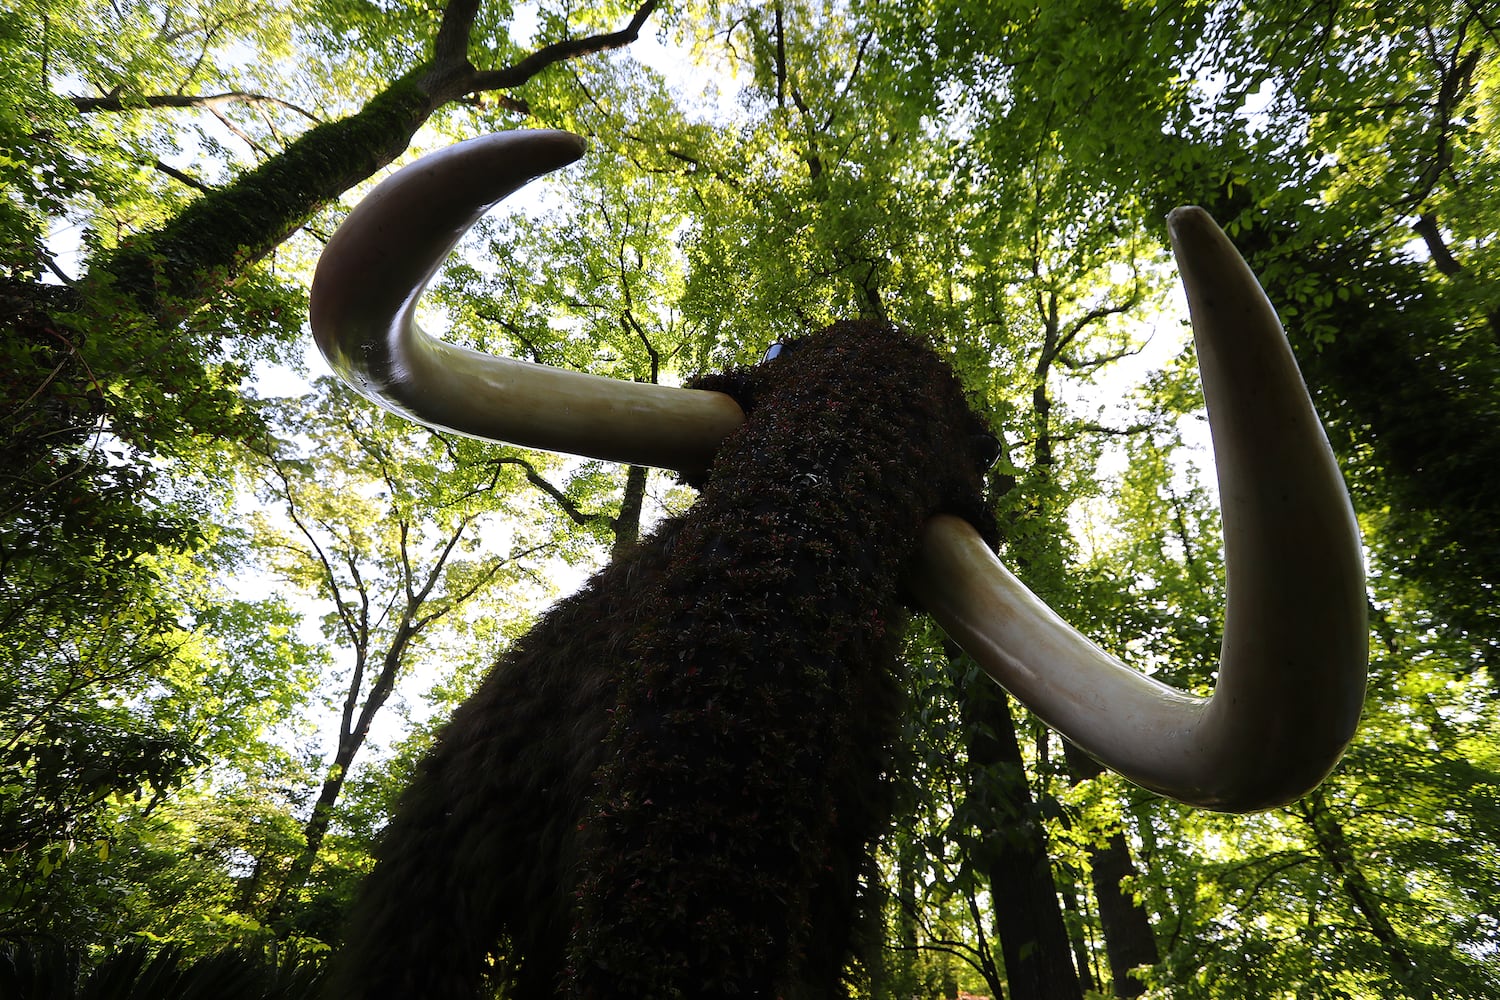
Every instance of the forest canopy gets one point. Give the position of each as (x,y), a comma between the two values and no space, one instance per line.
(236,600)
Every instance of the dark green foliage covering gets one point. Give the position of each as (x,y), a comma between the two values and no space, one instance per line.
(670,788)
(43,970)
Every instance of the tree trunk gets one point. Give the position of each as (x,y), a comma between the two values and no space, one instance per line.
(354,731)
(313,834)
(1068,893)
(901,979)
(627,524)
(1333,847)
(1128,938)
(1012,850)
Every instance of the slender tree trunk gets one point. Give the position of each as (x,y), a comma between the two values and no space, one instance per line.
(1332,844)
(1068,893)
(355,730)
(1128,938)
(902,978)
(1012,849)
(313,833)
(627,524)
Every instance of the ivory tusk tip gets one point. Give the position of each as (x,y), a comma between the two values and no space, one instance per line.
(489,167)
(1192,229)
(1189,221)
(1186,215)
(565,147)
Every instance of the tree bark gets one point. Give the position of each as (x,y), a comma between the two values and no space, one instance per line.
(354,730)
(627,523)
(903,980)
(1012,850)
(1128,939)
(172,270)
(1068,893)
(1129,942)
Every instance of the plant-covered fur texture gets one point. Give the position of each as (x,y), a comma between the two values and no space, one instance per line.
(669,788)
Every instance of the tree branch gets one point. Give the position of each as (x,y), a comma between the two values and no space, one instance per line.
(1426,227)
(178,175)
(114,102)
(548,55)
(451,46)
(575,513)
(172,270)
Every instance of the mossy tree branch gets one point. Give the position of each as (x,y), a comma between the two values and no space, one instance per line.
(171,270)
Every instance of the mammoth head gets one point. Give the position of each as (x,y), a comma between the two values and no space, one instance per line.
(1292,666)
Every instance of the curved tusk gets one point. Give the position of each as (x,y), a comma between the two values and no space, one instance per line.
(1292,663)
(363,304)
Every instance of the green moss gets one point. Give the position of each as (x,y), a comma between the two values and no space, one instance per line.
(743,776)
(669,788)
(172,270)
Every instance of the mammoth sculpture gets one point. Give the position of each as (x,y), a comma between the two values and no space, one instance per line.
(669,787)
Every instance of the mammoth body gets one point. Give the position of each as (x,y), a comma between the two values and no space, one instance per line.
(669,787)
